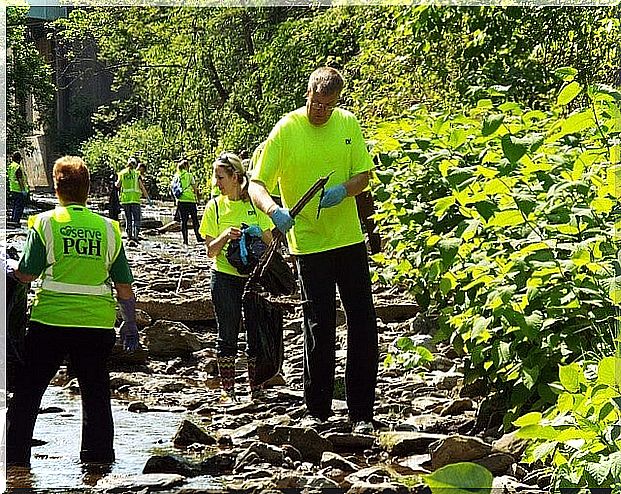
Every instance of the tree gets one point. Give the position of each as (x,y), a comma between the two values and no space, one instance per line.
(28,77)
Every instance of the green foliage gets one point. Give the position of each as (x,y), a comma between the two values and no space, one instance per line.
(27,76)
(460,478)
(580,436)
(501,221)
(146,142)
(407,354)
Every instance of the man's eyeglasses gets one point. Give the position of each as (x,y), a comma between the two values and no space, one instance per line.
(321,107)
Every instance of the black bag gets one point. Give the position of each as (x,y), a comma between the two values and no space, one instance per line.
(277,278)
(265,320)
(255,248)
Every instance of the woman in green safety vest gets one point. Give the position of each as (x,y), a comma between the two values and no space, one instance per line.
(132,189)
(186,202)
(18,187)
(79,256)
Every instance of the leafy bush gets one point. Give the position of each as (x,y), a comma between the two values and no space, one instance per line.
(501,221)
(581,435)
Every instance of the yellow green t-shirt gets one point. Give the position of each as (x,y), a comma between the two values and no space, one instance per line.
(230,213)
(296,154)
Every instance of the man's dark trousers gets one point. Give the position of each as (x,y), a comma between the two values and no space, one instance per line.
(320,273)
(45,349)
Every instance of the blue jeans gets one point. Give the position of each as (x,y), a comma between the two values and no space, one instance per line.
(19,202)
(320,274)
(132,220)
(226,295)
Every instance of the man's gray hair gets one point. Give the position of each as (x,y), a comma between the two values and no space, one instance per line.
(326,81)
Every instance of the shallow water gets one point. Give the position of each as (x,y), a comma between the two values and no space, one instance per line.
(56,464)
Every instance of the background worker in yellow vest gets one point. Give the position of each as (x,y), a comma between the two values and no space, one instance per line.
(79,256)
(186,202)
(18,186)
(314,141)
(132,189)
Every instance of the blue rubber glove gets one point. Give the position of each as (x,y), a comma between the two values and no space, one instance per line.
(149,201)
(333,196)
(282,219)
(254,231)
(129,329)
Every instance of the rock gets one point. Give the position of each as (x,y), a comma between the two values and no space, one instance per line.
(509,485)
(292,453)
(139,406)
(511,445)
(50,410)
(218,464)
(329,459)
(142,318)
(407,443)
(307,441)
(457,407)
(177,309)
(139,483)
(396,311)
(497,463)
(166,339)
(264,452)
(417,463)
(381,488)
(314,482)
(372,475)
(189,433)
(350,442)
(171,464)
(121,357)
(455,449)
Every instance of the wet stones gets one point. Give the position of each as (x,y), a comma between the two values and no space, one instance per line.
(189,433)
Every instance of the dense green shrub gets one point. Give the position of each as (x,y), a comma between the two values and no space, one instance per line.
(501,221)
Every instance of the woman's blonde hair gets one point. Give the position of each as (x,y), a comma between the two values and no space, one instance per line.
(71,179)
(233,165)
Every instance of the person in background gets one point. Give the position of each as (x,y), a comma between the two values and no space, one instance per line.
(221,223)
(18,187)
(317,140)
(132,189)
(186,202)
(79,256)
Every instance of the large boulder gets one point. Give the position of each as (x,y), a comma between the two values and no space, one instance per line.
(307,441)
(177,309)
(189,433)
(455,449)
(399,443)
(167,339)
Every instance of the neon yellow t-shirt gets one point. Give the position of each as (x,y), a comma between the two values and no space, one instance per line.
(230,213)
(296,154)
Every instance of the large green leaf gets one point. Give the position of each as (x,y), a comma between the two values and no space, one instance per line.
(460,478)
(512,148)
(491,124)
(609,372)
(571,376)
(568,93)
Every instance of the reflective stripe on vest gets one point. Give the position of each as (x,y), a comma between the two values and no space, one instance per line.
(48,282)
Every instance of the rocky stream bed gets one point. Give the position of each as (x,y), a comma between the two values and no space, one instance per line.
(426,416)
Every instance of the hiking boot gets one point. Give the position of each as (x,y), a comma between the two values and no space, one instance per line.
(363,427)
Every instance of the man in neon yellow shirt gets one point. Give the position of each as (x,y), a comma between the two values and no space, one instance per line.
(308,143)
(79,256)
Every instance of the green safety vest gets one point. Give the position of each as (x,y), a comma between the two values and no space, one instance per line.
(130,187)
(80,248)
(187,194)
(14,185)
